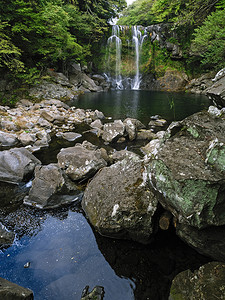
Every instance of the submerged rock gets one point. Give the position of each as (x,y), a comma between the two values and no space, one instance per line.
(80,162)
(96,294)
(208,282)
(16,164)
(119,203)
(12,291)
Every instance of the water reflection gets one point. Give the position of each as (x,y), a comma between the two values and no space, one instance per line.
(65,256)
(143,104)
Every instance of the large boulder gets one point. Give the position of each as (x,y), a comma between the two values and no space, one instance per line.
(113,131)
(188,170)
(79,162)
(132,126)
(16,164)
(208,282)
(12,291)
(48,187)
(119,203)
(8,139)
(217,91)
(208,241)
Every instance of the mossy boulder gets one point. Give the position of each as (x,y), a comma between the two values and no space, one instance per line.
(119,203)
(208,282)
(188,170)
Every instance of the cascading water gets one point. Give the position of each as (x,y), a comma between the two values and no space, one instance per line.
(115,41)
(134,39)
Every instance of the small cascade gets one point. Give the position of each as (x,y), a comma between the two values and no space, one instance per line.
(115,41)
(134,38)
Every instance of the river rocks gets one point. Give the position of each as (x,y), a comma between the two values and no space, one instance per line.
(6,237)
(132,126)
(16,164)
(47,188)
(79,162)
(96,294)
(119,203)
(12,291)
(191,183)
(208,241)
(27,138)
(217,91)
(8,139)
(208,282)
(113,131)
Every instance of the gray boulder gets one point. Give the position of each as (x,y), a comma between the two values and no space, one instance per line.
(217,92)
(132,126)
(119,203)
(208,282)
(187,169)
(47,188)
(8,139)
(12,291)
(6,237)
(16,164)
(113,131)
(79,162)
(27,138)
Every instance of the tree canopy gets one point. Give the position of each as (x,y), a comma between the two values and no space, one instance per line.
(48,33)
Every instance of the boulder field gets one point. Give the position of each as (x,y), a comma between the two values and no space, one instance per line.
(178,181)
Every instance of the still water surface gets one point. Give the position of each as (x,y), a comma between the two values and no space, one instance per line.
(65,254)
(143,104)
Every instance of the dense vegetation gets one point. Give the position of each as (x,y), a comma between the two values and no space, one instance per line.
(199,27)
(36,34)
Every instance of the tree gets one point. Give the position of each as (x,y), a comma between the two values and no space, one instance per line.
(209,41)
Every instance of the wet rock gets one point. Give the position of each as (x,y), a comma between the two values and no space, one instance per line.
(16,164)
(113,131)
(199,85)
(47,187)
(96,294)
(157,123)
(123,154)
(119,203)
(8,139)
(208,282)
(97,124)
(208,241)
(71,136)
(80,162)
(217,92)
(27,138)
(12,291)
(188,170)
(145,135)
(131,127)
(6,237)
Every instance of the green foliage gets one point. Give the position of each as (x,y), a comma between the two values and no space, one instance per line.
(209,40)
(139,13)
(36,34)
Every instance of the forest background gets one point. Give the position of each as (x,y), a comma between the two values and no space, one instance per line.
(40,34)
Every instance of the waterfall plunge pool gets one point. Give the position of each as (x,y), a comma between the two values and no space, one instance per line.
(141,105)
(65,254)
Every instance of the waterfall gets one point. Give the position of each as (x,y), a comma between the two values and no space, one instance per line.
(134,40)
(114,40)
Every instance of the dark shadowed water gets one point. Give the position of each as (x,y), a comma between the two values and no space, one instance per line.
(143,104)
(65,254)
